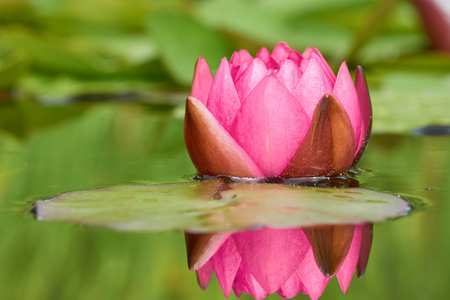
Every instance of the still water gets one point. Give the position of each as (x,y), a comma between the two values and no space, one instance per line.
(49,150)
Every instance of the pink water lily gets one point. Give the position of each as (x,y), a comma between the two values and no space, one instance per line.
(285,261)
(282,114)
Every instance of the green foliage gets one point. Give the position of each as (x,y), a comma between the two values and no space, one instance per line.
(13,65)
(405,100)
(158,41)
(182,40)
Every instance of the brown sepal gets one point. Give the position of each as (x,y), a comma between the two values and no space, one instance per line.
(330,244)
(329,145)
(201,247)
(212,150)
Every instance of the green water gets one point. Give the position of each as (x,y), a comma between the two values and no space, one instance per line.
(48,150)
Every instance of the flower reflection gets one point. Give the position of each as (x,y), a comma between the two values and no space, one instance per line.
(286,261)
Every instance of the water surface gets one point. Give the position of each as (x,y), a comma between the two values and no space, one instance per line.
(49,150)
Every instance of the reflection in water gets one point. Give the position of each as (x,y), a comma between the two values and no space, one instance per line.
(286,261)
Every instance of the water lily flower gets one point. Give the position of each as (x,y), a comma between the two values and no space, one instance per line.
(283,114)
(286,261)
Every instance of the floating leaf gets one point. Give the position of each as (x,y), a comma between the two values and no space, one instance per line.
(213,205)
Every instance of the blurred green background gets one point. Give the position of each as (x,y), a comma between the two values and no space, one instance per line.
(58,50)
(92,94)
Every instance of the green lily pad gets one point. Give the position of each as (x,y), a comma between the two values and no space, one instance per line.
(213,205)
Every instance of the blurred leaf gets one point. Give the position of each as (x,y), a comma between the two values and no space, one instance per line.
(13,65)
(38,117)
(371,26)
(113,56)
(389,47)
(12,120)
(213,205)
(117,15)
(124,48)
(15,11)
(182,40)
(65,87)
(47,6)
(428,62)
(360,31)
(403,100)
(49,57)
(61,89)
(299,23)
(22,117)
(391,29)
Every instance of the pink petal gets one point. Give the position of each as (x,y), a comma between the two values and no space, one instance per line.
(239,57)
(211,148)
(313,53)
(281,52)
(288,74)
(250,78)
(234,68)
(270,125)
(238,71)
(345,273)
(345,91)
(311,276)
(240,281)
(264,55)
(312,86)
(226,263)
(223,100)
(366,112)
(271,255)
(296,57)
(249,285)
(307,52)
(204,275)
(237,288)
(366,244)
(201,247)
(292,287)
(239,62)
(202,80)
